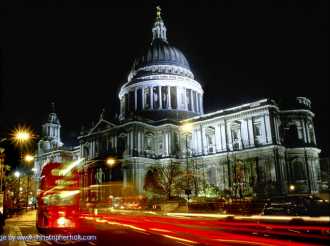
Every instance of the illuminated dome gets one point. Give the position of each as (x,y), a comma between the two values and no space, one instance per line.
(160,84)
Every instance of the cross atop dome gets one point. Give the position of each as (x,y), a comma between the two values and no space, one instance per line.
(159,29)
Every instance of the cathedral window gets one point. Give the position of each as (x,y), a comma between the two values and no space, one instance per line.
(210,138)
(236,135)
(311,133)
(300,130)
(183,99)
(131,101)
(126,102)
(146,98)
(122,105)
(298,170)
(195,101)
(188,98)
(198,103)
(173,97)
(156,96)
(164,97)
(148,143)
(139,99)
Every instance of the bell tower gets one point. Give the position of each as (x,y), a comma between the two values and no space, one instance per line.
(51,131)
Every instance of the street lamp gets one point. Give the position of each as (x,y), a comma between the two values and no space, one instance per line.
(187,129)
(111,161)
(28,158)
(17,174)
(292,187)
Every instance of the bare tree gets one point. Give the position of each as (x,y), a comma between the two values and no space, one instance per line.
(164,179)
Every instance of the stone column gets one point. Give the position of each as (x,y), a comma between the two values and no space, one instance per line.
(169,106)
(151,90)
(201,102)
(160,98)
(135,98)
(142,98)
(268,130)
(250,129)
(192,100)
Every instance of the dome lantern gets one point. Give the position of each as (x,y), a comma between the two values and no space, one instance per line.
(159,29)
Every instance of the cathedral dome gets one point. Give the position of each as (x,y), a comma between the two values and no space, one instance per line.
(161,84)
(161,53)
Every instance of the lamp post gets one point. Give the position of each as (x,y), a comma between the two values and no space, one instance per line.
(187,129)
(28,158)
(17,174)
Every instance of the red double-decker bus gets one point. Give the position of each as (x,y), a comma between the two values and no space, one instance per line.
(58,198)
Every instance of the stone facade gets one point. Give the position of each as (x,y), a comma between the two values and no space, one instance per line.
(261,148)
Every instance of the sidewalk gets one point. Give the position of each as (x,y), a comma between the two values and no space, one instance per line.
(26,216)
(15,225)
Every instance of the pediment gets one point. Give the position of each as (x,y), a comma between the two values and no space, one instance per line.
(101,126)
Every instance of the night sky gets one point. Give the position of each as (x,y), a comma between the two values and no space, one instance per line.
(78,53)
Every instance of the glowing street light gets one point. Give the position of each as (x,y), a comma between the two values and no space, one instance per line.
(21,135)
(17,174)
(292,187)
(111,161)
(28,158)
(187,127)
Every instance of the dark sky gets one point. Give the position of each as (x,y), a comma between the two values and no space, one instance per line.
(78,53)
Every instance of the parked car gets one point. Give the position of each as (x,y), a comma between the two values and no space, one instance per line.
(296,206)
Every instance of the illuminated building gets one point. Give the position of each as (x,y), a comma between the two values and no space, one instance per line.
(50,146)
(258,148)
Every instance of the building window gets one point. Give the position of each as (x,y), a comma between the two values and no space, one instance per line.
(300,130)
(126,102)
(188,96)
(311,133)
(122,105)
(139,99)
(236,136)
(195,101)
(146,98)
(173,97)
(183,99)
(298,170)
(210,138)
(257,129)
(164,97)
(156,96)
(131,101)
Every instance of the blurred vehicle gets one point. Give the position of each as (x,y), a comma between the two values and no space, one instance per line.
(58,198)
(298,205)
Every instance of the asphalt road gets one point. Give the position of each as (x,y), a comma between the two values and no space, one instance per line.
(137,229)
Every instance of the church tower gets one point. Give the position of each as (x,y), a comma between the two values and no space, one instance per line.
(51,133)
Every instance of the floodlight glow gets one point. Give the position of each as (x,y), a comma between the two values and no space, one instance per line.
(28,158)
(187,127)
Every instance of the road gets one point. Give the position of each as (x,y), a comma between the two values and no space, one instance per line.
(151,229)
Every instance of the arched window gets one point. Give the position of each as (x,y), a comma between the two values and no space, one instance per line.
(148,142)
(122,143)
(236,134)
(298,170)
(146,98)
(210,139)
(311,132)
